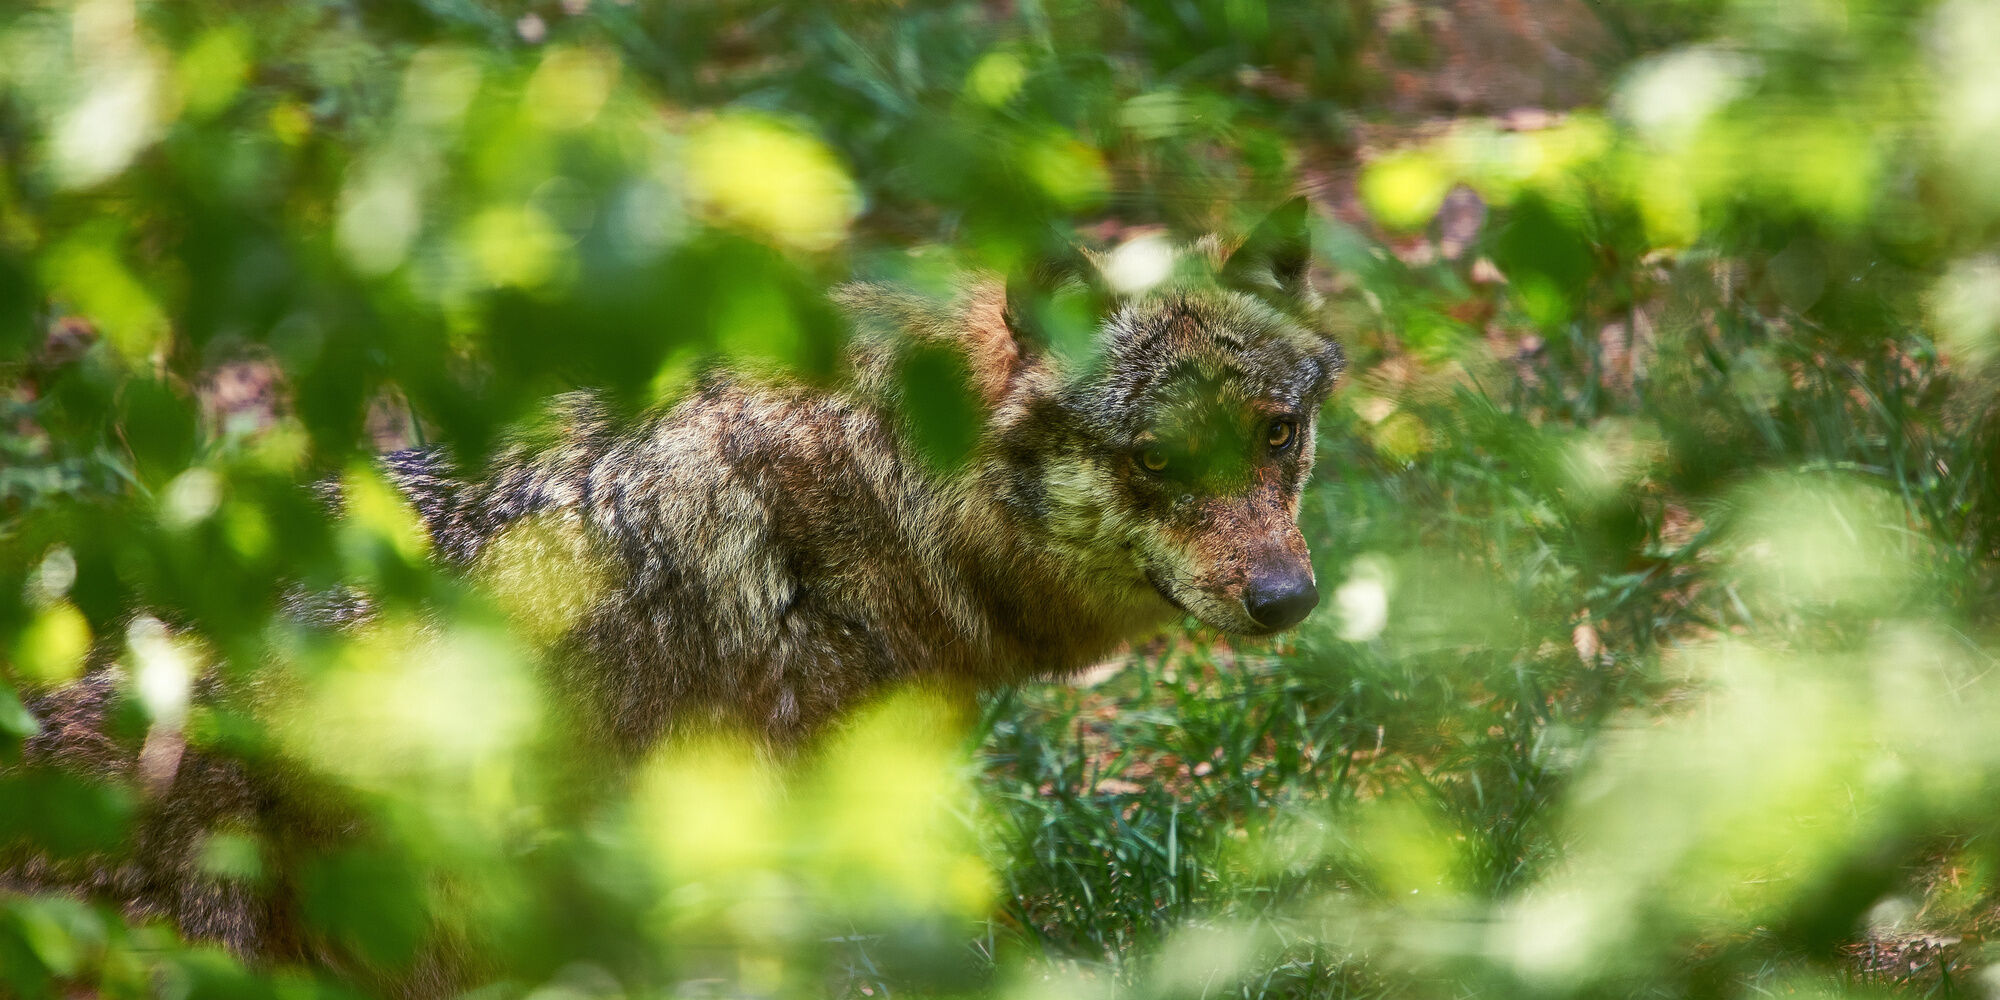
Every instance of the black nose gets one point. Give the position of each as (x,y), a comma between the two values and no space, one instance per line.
(1280,600)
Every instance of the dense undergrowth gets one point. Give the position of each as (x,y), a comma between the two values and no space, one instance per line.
(1656,521)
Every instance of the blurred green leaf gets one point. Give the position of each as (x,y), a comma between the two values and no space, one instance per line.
(944,407)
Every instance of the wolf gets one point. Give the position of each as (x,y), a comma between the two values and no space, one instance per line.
(763,556)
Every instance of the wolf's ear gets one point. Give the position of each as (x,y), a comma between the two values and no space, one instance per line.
(1276,254)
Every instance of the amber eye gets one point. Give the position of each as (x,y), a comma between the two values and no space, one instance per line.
(1153,459)
(1282,432)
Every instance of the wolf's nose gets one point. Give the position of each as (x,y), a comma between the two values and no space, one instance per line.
(1280,601)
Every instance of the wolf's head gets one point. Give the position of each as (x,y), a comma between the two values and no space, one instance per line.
(1167,465)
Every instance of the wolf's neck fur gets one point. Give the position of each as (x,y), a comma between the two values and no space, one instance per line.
(1036,612)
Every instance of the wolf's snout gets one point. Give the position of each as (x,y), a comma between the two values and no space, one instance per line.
(1280,600)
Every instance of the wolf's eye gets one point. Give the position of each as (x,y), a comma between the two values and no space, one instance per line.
(1153,459)
(1281,434)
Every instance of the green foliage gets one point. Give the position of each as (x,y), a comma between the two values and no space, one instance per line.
(1656,520)
(943,402)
